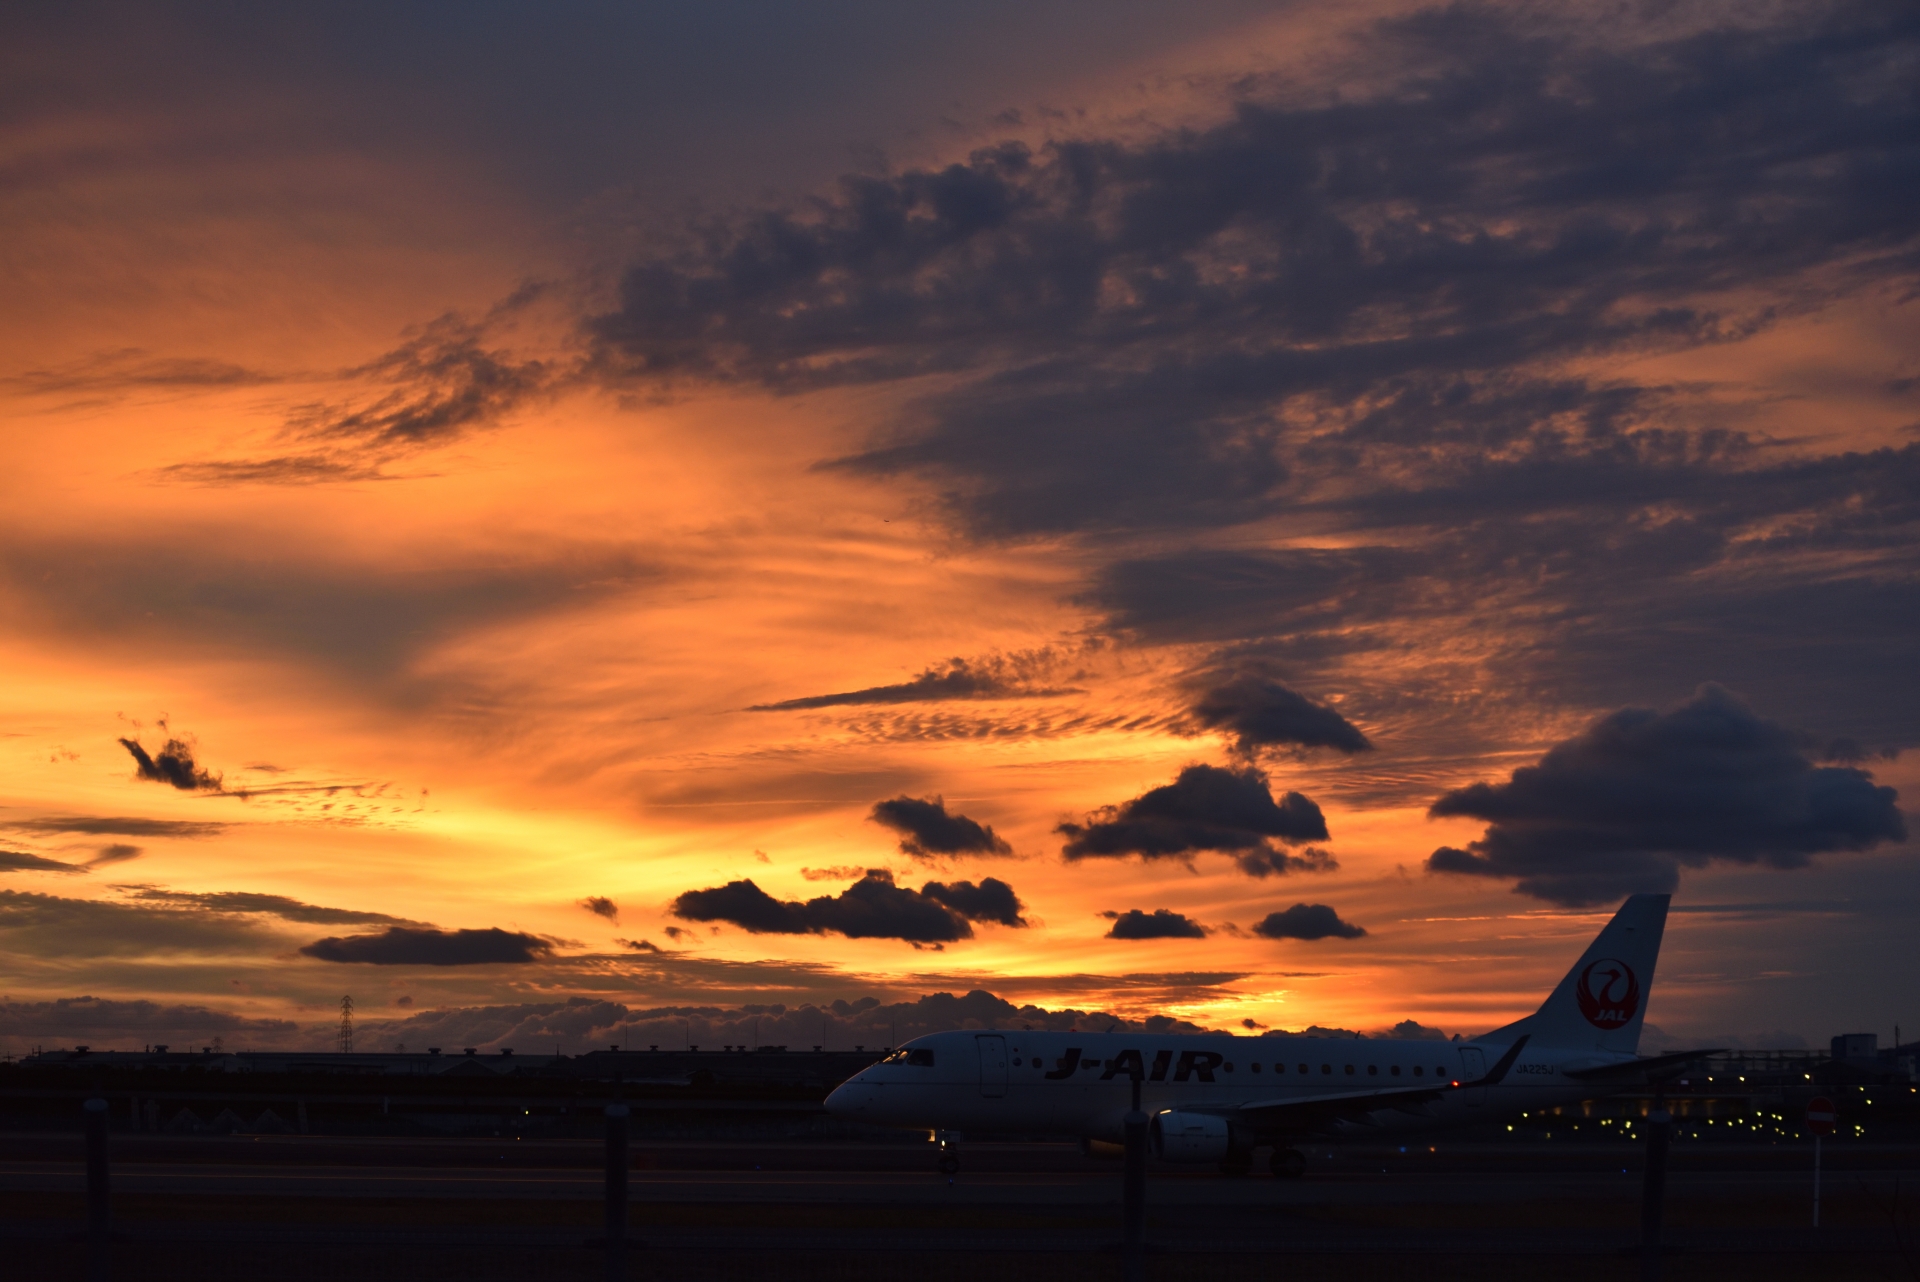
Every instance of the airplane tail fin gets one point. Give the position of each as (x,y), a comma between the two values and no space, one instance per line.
(1603,999)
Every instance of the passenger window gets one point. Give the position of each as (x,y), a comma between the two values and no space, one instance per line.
(1396,1068)
(1419,1071)
(1373,1070)
(1349,1070)
(1326,1068)
(1256,1066)
(1303,1068)
(1229,1066)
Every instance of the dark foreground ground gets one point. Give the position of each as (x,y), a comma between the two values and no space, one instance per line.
(321,1207)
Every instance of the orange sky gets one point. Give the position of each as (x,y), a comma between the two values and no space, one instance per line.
(468,680)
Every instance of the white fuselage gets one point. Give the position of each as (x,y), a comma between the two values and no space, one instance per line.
(1082,1083)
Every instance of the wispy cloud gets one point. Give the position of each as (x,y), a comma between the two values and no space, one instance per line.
(1000,677)
(117,826)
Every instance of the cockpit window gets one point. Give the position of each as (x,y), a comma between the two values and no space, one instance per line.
(917,1056)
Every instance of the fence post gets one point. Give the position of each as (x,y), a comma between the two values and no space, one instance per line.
(618,1158)
(1133,1250)
(1816,1181)
(1653,1193)
(99,1221)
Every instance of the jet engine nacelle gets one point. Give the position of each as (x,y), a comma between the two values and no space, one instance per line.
(1190,1137)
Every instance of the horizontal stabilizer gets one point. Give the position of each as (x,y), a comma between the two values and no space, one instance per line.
(1634,1067)
(1386,1097)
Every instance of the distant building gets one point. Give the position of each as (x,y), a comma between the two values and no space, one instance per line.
(1860,1057)
(1856,1046)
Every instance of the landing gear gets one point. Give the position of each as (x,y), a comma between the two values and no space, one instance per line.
(1287,1164)
(1236,1164)
(949,1152)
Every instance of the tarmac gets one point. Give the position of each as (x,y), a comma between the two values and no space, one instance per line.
(211,1200)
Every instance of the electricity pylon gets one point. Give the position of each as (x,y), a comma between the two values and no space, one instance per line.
(346,1024)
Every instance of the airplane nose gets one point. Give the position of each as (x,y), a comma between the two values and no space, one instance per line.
(850,1098)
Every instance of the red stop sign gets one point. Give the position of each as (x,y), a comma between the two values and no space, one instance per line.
(1820,1115)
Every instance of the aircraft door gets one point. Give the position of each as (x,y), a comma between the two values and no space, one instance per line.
(1473,1067)
(993,1065)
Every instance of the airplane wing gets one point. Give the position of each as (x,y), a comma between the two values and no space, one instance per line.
(1632,1067)
(1314,1111)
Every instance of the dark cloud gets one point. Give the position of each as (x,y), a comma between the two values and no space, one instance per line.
(745,905)
(173,765)
(1259,712)
(20,861)
(992,900)
(1306,921)
(242,901)
(1206,808)
(404,946)
(927,830)
(118,826)
(1621,582)
(1161,923)
(1122,322)
(1278,863)
(868,908)
(998,678)
(640,945)
(117,853)
(601,906)
(1624,804)
(1358,308)
(1213,595)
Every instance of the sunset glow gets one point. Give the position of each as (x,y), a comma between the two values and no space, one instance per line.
(487,498)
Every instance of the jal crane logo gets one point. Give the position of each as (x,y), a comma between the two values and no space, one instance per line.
(1608,993)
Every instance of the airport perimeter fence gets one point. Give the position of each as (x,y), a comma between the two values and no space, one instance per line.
(1748,1096)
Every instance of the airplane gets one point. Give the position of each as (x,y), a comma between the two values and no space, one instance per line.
(1217,1098)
